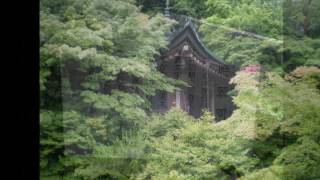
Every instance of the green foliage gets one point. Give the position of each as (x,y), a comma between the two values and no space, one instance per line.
(284,120)
(228,32)
(207,116)
(166,124)
(300,160)
(301,51)
(151,6)
(194,149)
(272,135)
(97,70)
(116,161)
(65,141)
(193,8)
(301,18)
(308,75)
(240,50)
(255,16)
(286,32)
(273,172)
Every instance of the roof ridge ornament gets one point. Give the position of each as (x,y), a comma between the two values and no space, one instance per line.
(189,22)
(167,9)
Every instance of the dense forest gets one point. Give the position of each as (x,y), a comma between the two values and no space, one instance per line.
(95,125)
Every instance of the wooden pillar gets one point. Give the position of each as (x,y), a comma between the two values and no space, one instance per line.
(171,97)
(184,69)
(212,93)
(197,92)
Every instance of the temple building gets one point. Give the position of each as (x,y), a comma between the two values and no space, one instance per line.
(187,59)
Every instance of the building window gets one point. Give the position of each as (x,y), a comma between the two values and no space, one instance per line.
(190,102)
(177,63)
(192,74)
(204,92)
(192,69)
(204,97)
(204,76)
(162,68)
(223,69)
(190,98)
(163,99)
(222,91)
(203,102)
(176,74)
(221,113)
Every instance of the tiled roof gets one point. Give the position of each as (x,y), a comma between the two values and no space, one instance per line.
(188,25)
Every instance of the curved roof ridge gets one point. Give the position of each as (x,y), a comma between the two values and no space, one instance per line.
(190,25)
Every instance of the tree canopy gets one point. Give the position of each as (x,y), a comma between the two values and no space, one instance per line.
(98,72)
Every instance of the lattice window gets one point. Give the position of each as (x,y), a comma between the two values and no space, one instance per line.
(162,68)
(204,92)
(177,67)
(163,99)
(224,69)
(177,63)
(204,76)
(176,74)
(190,99)
(204,98)
(222,91)
(192,74)
(221,113)
(191,66)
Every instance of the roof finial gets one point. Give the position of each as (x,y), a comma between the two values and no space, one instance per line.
(166,10)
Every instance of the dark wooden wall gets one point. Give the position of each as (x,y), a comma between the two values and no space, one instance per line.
(207,91)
